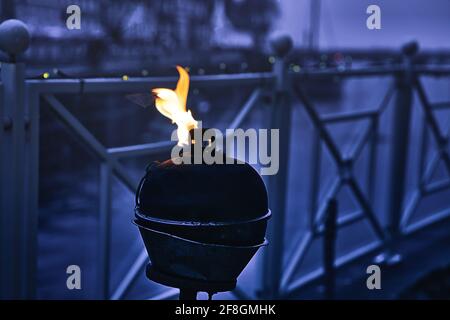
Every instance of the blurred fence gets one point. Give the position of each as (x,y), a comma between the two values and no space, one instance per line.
(22,99)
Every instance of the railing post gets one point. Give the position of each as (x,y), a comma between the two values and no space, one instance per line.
(399,153)
(281,119)
(16,263)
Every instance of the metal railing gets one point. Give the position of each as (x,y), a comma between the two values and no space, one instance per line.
(19,148)
(109,158)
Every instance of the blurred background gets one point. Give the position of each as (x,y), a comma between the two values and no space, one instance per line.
(136,38)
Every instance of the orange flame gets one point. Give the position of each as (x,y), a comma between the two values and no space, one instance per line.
(172,104)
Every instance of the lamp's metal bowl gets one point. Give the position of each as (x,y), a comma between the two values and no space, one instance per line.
(195,260)
(238,233)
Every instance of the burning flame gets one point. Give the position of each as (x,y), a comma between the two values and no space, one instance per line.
(172,104)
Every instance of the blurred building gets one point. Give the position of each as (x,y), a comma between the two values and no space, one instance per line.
(119,35)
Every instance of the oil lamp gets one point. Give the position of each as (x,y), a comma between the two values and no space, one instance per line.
(200,223)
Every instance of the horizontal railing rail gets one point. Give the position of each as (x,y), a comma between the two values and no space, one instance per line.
(143,84)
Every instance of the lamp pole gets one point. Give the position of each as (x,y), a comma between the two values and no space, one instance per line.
(17,242)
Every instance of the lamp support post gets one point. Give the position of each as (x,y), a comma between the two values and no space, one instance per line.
(17,165)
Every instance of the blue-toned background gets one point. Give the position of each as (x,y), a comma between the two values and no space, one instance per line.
(131,39)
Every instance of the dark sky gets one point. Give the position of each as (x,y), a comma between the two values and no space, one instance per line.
(343,23)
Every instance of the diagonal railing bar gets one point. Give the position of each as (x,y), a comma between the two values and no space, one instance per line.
(410,207)
(427,221)
(297,258)
(301,281)
(84,135)
(364,203)
(323,132)
(245,109)
(430,169)
(387,98)
(424,179)
(441,140)
(436,187)
(141,149)
(168,294)
(434,162)
(357,147)
(130,276)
